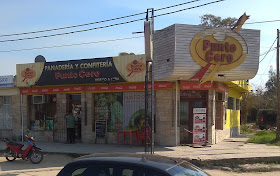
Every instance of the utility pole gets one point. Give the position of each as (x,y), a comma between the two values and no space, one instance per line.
(277,89)
(149,83)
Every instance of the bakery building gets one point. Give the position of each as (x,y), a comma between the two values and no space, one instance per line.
(200,76)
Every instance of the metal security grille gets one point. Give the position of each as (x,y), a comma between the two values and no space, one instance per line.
(60,131)
(5,113)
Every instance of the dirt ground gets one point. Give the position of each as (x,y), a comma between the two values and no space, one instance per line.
(53,163)
(226,173)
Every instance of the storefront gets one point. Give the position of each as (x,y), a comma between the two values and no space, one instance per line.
(93,90)
(9,97)
(205,63)
(197,97)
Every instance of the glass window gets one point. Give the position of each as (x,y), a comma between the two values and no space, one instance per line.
(230,103)
(96,171)
(237,104)
(5,112)
(109,106)
(42,110)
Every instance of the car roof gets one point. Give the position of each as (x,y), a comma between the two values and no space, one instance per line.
(154,161)
(145,161)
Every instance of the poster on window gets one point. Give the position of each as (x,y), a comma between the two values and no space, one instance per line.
(199,128)
(200,118)
(109,107)
(199,138)
(134,111)
(199,125)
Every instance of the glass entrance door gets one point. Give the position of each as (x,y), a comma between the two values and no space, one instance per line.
(186,119)
(184,122)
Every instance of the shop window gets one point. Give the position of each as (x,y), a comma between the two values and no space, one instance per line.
(237,104)
(109,107)
(42,110)
(230,103)
(122,111)
(5,112)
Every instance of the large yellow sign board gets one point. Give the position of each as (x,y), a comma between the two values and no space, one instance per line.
(215,55)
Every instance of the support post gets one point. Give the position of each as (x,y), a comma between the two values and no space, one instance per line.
(277,89)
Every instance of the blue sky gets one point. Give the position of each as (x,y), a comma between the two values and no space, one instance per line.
(24,16)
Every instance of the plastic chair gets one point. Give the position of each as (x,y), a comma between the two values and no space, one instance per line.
(141,136)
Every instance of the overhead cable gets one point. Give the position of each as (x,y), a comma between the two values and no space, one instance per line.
(74,44)
(268,50)
(91,23)
(90,29)
(189,8)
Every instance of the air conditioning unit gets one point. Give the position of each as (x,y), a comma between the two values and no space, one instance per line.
(38,99)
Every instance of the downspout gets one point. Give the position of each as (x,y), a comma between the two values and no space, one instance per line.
(176,113)
(21,113)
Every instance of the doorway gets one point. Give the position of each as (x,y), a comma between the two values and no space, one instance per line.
(74,106)
(188,101)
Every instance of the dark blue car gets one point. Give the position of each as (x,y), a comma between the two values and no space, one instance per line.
(129,165)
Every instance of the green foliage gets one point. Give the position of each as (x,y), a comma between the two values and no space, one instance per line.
(245,130)
(125,53)
(216,21)
(264,137)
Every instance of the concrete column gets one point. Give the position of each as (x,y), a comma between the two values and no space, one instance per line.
(211,116)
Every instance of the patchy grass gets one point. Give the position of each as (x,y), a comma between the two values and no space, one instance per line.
(264,137)
(244,129)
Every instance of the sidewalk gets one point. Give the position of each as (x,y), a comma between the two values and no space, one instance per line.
(230,148)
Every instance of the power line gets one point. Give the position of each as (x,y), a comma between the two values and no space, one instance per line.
(268,50)
(189,8)
(90,29)
(263,22)
(74,44)
(66,33)
(91,23)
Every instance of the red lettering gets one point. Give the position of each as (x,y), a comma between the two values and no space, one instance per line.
(229,58)
(206,44)
(232,48)
(57,75)
(217,57)
(82,74)
(223,56)
(214,46)
(207,56)
(227,47)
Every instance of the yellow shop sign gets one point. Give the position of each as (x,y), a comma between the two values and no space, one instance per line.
(215,55)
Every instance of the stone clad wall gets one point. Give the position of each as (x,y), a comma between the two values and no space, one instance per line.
(60,133)
(88,136)
(165,118)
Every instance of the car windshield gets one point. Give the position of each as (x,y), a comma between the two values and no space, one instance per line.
(185,169)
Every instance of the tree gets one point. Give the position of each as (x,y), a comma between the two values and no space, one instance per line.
(270,92)
(125,53)
(216,21)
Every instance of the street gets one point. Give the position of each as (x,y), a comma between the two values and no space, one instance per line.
(53,163)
